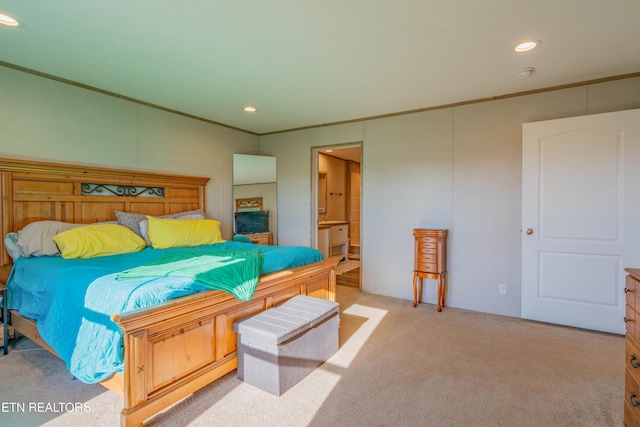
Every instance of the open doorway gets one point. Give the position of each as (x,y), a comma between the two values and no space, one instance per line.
(336,207)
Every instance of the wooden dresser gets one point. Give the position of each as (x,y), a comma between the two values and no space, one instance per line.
(430,262)
(632,349)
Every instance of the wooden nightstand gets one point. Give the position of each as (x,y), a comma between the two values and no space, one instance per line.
(5,318)
(430,262)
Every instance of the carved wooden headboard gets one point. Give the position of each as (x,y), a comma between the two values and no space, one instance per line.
(36,191)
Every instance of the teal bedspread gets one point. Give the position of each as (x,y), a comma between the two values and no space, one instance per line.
(72,300)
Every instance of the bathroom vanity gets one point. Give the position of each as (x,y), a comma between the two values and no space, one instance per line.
(333,238)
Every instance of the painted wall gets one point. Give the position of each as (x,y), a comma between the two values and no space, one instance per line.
(41,119)
(457,168)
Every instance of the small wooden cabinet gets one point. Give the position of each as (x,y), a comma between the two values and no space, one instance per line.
(430,262)
(632,349)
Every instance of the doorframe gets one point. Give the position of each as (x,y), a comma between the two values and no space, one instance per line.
(315,151)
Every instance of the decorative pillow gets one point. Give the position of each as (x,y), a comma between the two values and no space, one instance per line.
(132,220)
(181,215)
(144,225)
(98,240)
(36,239)
(172,233)
(11,245)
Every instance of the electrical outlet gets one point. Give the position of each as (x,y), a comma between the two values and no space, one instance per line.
(502,288)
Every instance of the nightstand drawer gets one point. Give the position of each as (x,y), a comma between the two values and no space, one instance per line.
(631,397)
(427,258)
(632,358)
(431,249)
(630,419)
(429,242)
(427,267)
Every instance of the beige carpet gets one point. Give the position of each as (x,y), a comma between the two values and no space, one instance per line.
(397,366)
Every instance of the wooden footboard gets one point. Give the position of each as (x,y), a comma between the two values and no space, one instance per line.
(181,346)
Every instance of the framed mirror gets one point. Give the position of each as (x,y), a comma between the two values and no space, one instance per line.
(254,178)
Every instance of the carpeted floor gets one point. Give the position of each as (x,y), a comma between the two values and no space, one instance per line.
(397,366)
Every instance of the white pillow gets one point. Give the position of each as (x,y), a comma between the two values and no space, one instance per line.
(11,245)
(36,239)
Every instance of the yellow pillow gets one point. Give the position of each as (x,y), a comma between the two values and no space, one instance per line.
(173,233)
(92,241)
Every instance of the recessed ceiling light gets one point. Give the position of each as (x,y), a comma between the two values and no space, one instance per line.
(250,109)
(8,21)
(527,45)
(328,151)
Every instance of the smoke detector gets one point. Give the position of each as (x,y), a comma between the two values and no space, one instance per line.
(523,73)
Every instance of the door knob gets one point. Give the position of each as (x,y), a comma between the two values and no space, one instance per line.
(529,231)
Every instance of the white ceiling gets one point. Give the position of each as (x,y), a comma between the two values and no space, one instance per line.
(305,63)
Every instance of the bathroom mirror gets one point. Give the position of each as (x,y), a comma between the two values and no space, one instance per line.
(322,193)
(254,177)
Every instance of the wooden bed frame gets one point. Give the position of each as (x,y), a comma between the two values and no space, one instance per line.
(170,350)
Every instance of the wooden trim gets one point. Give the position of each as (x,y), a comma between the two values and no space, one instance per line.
(361,119)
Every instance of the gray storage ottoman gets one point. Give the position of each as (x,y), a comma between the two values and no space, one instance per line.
(279,347)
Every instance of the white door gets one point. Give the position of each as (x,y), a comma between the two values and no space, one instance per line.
(580,218)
